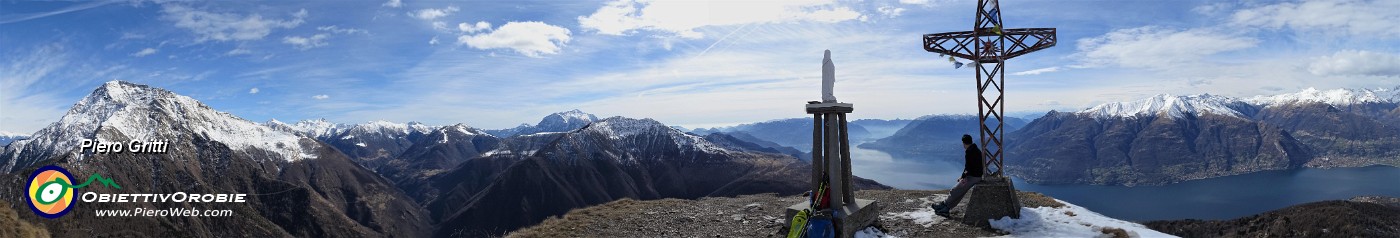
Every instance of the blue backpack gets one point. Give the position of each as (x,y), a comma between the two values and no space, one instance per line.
(820,226)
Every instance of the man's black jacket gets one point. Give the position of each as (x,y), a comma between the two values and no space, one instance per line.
(973,162)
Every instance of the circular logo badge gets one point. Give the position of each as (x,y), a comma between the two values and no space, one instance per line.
(51,191)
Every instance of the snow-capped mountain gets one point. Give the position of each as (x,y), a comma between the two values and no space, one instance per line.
(121,111)
(1168,138)
(319,128)
(1177,106)
(296,185)
(7,137)
(371,144)
(1335,97)
(439,150)
(1172,106)
(556,122)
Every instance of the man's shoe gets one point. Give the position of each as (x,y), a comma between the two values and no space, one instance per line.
(943,213)
(938,206)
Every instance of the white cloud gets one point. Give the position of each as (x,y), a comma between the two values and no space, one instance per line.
(1156,47)
(1328,17)
(393,3)
(1357,62)
(914,2)
(304,43)
(470,28)
(429,14)
(27,100)
(1038,71)
(227,26)
(527,38)
(238,51)
(344,31)
(890,11)
(253,91)
(144,52)
(321,97)
(434,41)
(682,18)
(1211,8)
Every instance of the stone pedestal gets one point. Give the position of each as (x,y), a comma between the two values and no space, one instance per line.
(831,166)
(849,220)
(993,198)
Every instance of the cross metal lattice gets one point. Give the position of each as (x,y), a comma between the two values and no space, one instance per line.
(988,45)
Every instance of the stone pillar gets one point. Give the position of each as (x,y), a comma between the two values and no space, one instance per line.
(831,164)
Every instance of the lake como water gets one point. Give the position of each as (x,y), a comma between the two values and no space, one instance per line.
(1217,198)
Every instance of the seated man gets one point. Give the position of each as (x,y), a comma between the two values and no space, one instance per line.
(972,173)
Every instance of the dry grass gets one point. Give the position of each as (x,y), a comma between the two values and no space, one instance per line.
(12,226)
(1034,199)
(1115,232)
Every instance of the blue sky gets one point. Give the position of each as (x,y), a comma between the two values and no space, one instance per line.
(496,64)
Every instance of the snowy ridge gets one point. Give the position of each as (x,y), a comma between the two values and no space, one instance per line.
(617,128)
(455,131)
(1336,97)
(387,127)
(140,112)
(12,134)
(1179,106)
(319,128)
(576,116)
(1169,105)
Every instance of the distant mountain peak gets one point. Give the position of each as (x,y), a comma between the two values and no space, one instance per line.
(383,126)
(318,128)
(569,117)
(143,112)
(623,127)
(1336,97)
(1169,105)
(12,134)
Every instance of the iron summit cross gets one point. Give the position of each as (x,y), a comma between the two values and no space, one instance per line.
(989,46)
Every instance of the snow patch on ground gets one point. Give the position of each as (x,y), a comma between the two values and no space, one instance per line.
(871,232)
(925,215)
(1068,221)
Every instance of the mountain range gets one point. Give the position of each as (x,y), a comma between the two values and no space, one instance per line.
(378,179)
(7,137)
(1171,138)
(1167,138)
(296,185)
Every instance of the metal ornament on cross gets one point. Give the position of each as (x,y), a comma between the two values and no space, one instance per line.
(990,45)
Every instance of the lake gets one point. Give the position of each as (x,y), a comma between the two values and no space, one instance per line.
(1217,198)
